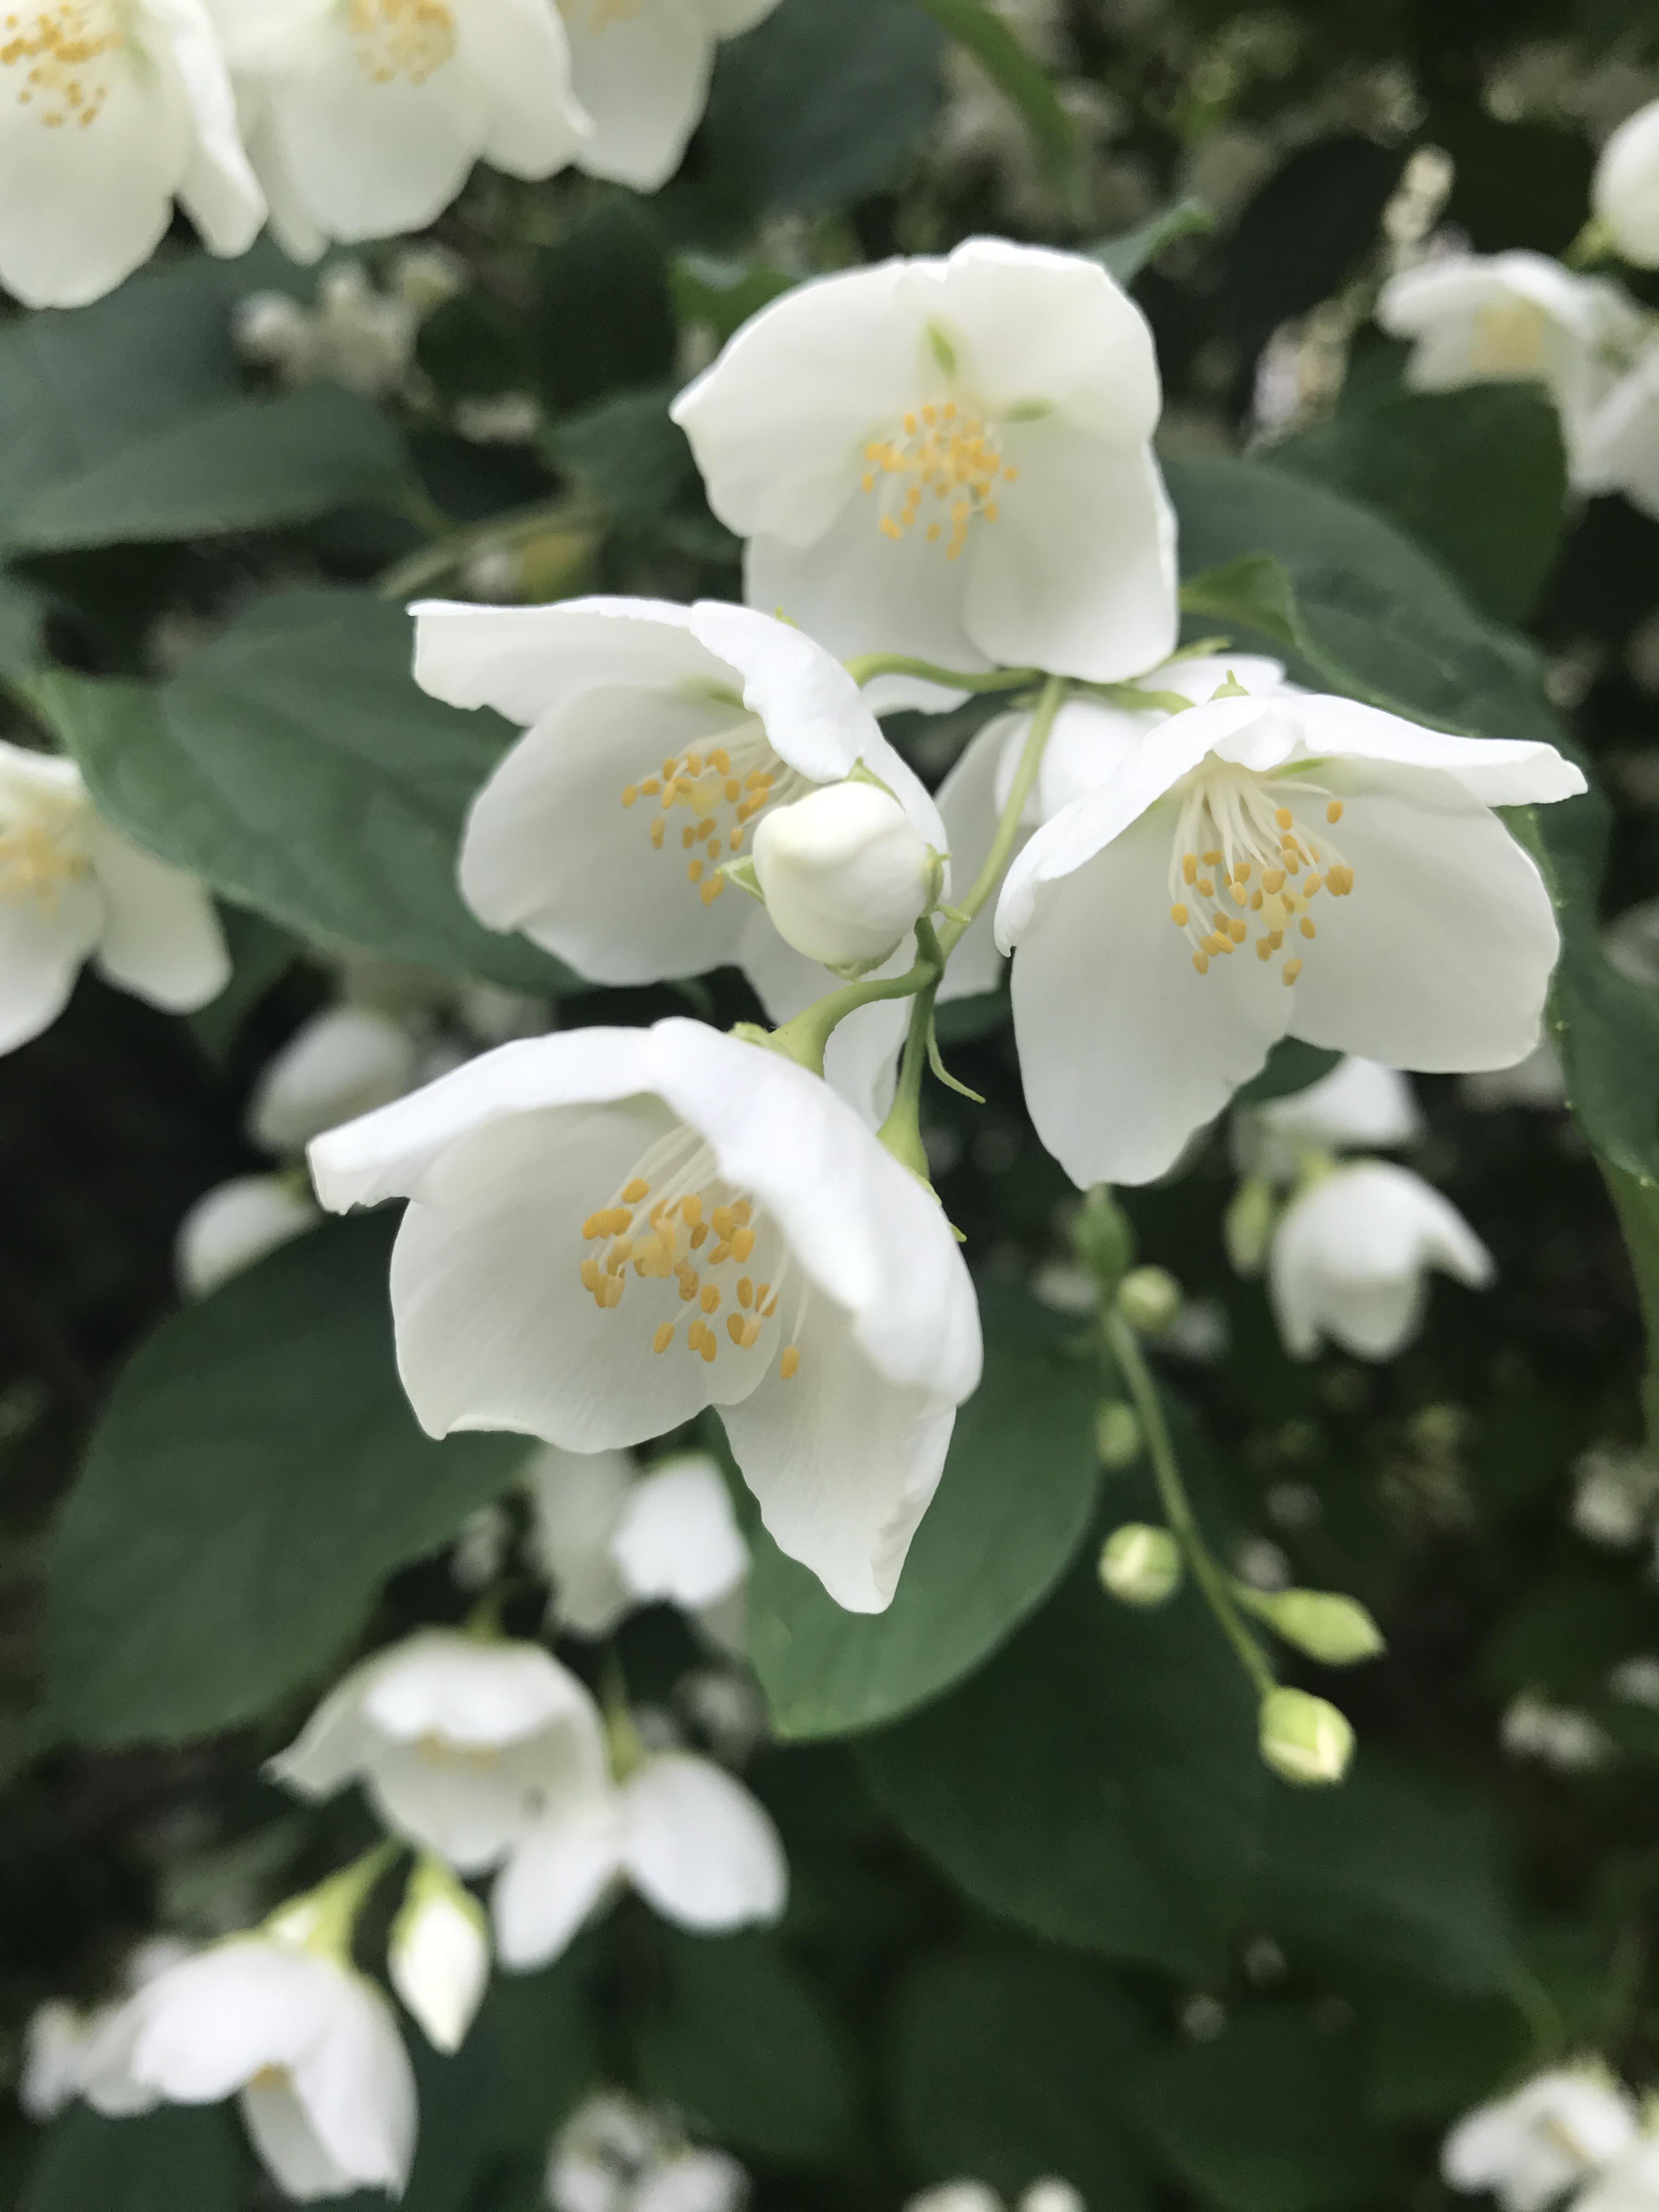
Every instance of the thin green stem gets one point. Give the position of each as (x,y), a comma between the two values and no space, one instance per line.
(869,665)
(1031,760)
(323,1919)
(807,1036)
(1125,1348)
(503,533)
(902,1130)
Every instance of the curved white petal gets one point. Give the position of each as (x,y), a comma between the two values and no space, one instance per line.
(642,76)
(525,661)
(519,51)
(815,714)
(342,1062)
(288,2146)
(1360,1105)
(578,1499)
(678,1537)
(1627,187)
(162,938)
(554,1880)
(357,2089)
(861,1061)
(699,1848)
(466,1690)
(201,2029)
(44,940)
(218,187)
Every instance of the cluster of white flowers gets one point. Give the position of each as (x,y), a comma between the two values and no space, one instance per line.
(1570,2134)
(331,119)
(1049,2195)
(615,2154)
(1522,318)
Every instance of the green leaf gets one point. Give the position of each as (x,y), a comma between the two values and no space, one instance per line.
(173,2159)
(1291,1067)
(1016,1501)
(742,2043)
(1006,2065)
(549,2052)
(1125,257)
(1017,73)
(722,295)
(1096,1783)
(603,318)
(1269,2116)
(627,455)
(1637,1203)
(295,766)
(255,1474)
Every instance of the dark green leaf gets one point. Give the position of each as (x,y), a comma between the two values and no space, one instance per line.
(1291,1067)
(255,1474)
(260,955)
(603,318)
(1016,72)
(173,2159)
(295,766)
(1305,233)
(1007,2065)
(1016,1496)
(548,2053)
(1637,1205)
(627,457)
(722,295)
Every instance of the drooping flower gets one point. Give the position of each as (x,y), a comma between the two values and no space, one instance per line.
(1165,922)
(437,1955)
(308,2044)
(641,70)
(1553,2133)
(611,1230)
(1351,1259)
(1514,318)
(611,1539)
(1625,191)
(363,118)
(1360,1106)
(73,888)
(693,1842)
(235,1224)
(460,1743)
(949,459)
(110,110)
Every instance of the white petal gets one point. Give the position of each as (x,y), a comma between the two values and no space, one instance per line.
(678,1537)
(289,2147)
(218,187)
(204,2028)
(43,942)
(524,661)
(161,937)
(861,1062)
(358,2088)
(342,1062)
(235,1225)
(1360,1105)
(1350,1259)
(969,806)
(699,1848)
(643,78)
(1497,771)
(335,1742)
(519,52)
(1627,190)
(578,1499)
(816,716)
(727,18)
(471,1809)
(55,2045)
(443,1683)
(554,1879)
(438,1956)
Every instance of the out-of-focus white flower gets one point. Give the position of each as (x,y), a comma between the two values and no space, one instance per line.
(460,1744)
(505,418)
(356,336)
(693,2181)
(73,888)
(1615,1496)
(1436,935)
(1351,1259)
(437,1955)
(110,110)
(641,70)
(846,874)
(610,1540)
(55,2045)
(692,1841)
(1636,1681)
(308,2044)
(949,459)
(957,2197)
(1514,318)
(613,2155)
(686,1178)
(342,1062)
(1618,448)
(364,119)
(1553,2133)
(1556,1735)
(1536,1081)
(235,1224)
(727,1704)
(1625,191)
(480,1547)
(1630,2184)
(1052,2195)
(1360,1106)
(1630,942)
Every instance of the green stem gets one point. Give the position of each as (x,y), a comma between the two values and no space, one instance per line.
(503,533)
(1125,1348)
(806,1038)
(1031,760)
(868,667)
(627,1750)
(902,1130)
(323,1919)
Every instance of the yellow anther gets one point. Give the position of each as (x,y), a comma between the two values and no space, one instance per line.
(1264,950)
(691,1209)
(590,1273)
(745,1293)
(594,1226)
(1211,859)
(710,1299)
(720,1256)
(1241,873)
(1340,881)
(712,889)
(1236,930)
(760,1297)
(687,838)
(1206,887)
(619,1254)
(610,1292)
(699,1235)
(1255,901)
(708,1347)
(1275,938)
(657,828)
(635,1192)
(724,1219)
(1284,817)
(1292,969)
(742,1213)
(1307,928)
(1334,812)
(664,1336)
(1313,884)
(1178,915)
(1273,879)
(789,1364)
(743,1244)
(694,871)
(732,791)
(1201,963)
(630,792)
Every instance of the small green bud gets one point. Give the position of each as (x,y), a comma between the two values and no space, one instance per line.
(1141,1564)
(1335,1630)
(1118,1441)
(1149,1299)
(1102,1237)
(1248,1225)
(1303,1738)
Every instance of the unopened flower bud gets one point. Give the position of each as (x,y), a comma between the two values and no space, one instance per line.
(1141,1564)
(1303,1738)
(1335,1630)
(1248,1225)
(439,1955)
(1626,188)
(1117,1435)
(845,873)
(1149,1299)
(1103,1236)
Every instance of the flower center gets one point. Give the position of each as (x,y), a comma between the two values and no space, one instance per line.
(1509,339)
(702,1237)
(443,1751)
(409,39)
(723,786)
(943,463)
(271,2077)
(38,857)
(1239,845)
(58,48)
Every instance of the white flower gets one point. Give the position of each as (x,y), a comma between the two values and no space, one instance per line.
(110,110)
(73,888)
(952,459)
(342,1062)
(1618,448)
(613,2155)
(692,1841)
(1559,1736)
(693,2181)
(641,69)
(55,2045)
(307,2044)
(957,2197)
(439,1955)
(356,336)
(1360,1106)
(1615,1492)
(1513,318)
(235,1224)
(613,1228)
(610,1540)
(1139,1003)
(845,873)
(1350,1258)
(1553,2132)
(1052,2195)
(1089,741)
(363,118)
(1631,2184)
(458,1743)
(1625,192)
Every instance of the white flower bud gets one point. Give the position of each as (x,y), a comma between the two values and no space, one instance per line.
(1303,1738)
(1626,190)
(235,1224)
(1052,2195)
(1335,1630)
(1141,1564)
(342,1062)
(439,1955)
(845,873)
